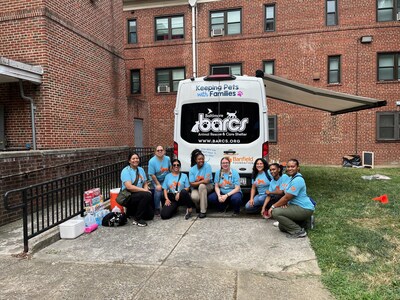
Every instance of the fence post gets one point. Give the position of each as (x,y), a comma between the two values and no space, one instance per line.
(25,221)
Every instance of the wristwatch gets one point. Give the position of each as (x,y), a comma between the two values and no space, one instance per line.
(272,206)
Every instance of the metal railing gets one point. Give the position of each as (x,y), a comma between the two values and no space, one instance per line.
(48,204)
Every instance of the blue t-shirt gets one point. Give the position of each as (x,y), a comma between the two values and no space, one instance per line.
(280,184)
(171,183)
(297,188)
(261,182)
(196,174)
(129,174)
(227,181)
(159,168)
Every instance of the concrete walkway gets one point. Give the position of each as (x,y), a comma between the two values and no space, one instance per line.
(218,257)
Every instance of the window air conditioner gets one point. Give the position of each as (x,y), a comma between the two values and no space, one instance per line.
(217,32)
(163,89)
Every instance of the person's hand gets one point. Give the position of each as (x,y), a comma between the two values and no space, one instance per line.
(158,187)
(270,211)
(262,211)
(251,202)
(177,196)
(167,202)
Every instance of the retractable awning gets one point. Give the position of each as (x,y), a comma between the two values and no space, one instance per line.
(301,94)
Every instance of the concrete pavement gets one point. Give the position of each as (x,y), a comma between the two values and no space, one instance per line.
(219,257)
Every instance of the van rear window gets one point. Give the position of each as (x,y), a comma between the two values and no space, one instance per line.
(220,122)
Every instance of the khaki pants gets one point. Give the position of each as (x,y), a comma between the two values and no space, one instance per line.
(199,196)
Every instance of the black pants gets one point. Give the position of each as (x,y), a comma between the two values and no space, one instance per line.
(139,206)
(185,199)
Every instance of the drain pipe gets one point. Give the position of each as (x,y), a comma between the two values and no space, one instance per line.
(193,4)
(21,88)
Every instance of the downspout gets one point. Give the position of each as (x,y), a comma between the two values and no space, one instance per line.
(32,113)
(193,4)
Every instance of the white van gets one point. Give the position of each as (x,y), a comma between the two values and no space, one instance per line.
(222,115)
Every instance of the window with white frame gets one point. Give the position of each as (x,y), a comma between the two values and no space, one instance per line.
(388,66)
(334,69)
(270,17)
(388,126)
(226,22)
(169,28)
(233,69)
(132,32)
(167,80)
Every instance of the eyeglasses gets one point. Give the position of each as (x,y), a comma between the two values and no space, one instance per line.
(225,163)
(176,165)
(160,150)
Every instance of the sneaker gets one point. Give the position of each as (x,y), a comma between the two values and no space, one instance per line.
(157,212)
(276,224)
(235,214)
(140,223)
(302,233)
(202,215)
(188,215)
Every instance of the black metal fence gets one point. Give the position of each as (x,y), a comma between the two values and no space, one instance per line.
(48,204)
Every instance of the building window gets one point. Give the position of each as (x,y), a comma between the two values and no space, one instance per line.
(331,13)
(334,69)
(226,22)
(135,82)
(233,69)
(388,126)
(169,28)
(387,10)
(272,129)
(270,18)
(132,32)
(389,66)
(269,67)
(168,79)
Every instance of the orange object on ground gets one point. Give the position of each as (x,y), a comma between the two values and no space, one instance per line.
(113,199)
(383,199)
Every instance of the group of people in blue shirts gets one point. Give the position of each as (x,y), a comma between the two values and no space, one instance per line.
(282,197)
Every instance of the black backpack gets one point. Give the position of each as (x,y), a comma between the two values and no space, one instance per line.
(114,219)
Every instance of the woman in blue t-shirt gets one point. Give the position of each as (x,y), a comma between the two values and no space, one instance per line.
(176,192)
(260,183)
(295,206)
(227,188)
(275,190)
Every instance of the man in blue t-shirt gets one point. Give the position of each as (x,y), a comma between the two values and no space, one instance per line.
(159,167)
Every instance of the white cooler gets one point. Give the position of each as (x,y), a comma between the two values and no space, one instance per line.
(72,229)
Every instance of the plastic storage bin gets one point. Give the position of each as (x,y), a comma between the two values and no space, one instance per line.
(72,229)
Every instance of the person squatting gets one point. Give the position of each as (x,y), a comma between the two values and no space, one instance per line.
(278,196)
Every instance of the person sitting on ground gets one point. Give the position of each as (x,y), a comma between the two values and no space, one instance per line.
(260,183)
(275,190)
(227,188)
(139,203)
(295,206)
(159,166)
(200,178)
(176,192)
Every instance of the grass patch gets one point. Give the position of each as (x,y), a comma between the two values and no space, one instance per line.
(356,239)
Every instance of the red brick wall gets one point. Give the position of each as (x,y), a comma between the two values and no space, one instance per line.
(82,100)
(300,47)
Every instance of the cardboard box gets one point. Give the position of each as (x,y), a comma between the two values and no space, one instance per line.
(72,229)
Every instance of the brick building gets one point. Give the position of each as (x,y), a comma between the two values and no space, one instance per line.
(344,46)
(105,68)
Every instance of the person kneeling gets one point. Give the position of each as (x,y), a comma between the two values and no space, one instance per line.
(176,187)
